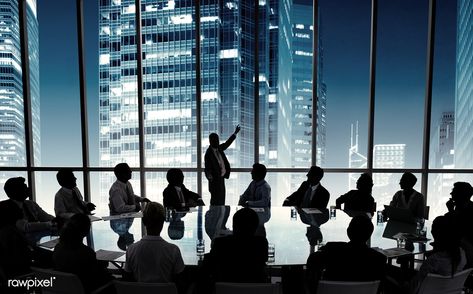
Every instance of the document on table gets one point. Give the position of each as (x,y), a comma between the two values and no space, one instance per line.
(123,215)
(108,255)
(50,244)
(392,252)
(258,209)
(94,218)
(311,210)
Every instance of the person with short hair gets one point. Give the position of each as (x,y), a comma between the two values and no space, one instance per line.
(240,257)
(68,200)
(359,200)
(408,198)
(217,167)
(122,198)
(176,195)
(152,259)
(71,255)
(258,193)
(347,261)
(311,193)
(35,220)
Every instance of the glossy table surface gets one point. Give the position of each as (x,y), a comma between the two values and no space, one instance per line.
(293,233)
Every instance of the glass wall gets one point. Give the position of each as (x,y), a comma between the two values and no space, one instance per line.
(151,64)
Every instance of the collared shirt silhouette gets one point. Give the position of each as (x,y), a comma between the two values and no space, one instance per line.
(217,167)
(311,193)
(122,197)
(258,193)
(68,200)
(408,198)
(176,195)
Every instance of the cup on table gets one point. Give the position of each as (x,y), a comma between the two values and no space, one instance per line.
(293,214)
(200,248)
(333,211)
(401,242)
(380,217)
(271,252)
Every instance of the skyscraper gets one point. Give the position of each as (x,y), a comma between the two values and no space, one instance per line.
(168,36)
(12,122)
(464,86)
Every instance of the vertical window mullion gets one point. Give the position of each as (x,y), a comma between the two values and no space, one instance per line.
(198,96)
(372,83)
(315,70)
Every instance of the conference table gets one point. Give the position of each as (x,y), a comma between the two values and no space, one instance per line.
(292,233)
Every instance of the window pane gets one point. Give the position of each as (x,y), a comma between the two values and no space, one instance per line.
(400,80)
(12,126)
(115,86)
(4,176)
(59,84)
(47,187)
(344,82)
(168,36)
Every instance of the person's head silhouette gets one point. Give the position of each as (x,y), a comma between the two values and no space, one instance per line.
(16,189)
(360,229)
(65,177)
(214,140)
(75,229)
(314,175)
(258,172)
(461,192)
(153,218)
(445,232)
(123,172)
(408,180)
(175,177)
(245,222)
(10,213)
(364,183)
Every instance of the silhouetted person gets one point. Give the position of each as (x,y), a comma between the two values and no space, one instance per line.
(352,261)
(258,193)
(447,257)
(122,198)
(408,198)
(35,222)
(240,257)
(359,200)
(217,167)
(311,194)
(176,195)
(152,259)
(15,253)
(460,207)
(68,200)
(72,256)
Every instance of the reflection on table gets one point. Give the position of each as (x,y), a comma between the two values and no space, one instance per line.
(293,233)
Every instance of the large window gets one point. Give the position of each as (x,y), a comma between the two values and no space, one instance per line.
(347,85)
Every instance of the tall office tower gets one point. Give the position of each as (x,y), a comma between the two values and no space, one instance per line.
(355,158)
(168,35)
(387,156)
(443,151)
(12,122)
(464,86)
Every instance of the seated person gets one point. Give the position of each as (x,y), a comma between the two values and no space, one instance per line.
(15,253)
(72,256)
(446,259)
(153,260)
(408,198)
(176,195)
(35,221)
(258,193)
(240,257)
(68,200)
(352,261)
(360,199)
(311,193)
(122,198)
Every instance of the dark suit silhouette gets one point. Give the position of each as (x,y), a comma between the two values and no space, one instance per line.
(319,200)
(171,199)
(356,200)
(213,172)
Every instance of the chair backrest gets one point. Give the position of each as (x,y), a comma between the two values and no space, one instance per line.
(144,288)
(246,288)
(436,284)
(61,283)
(339,287)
